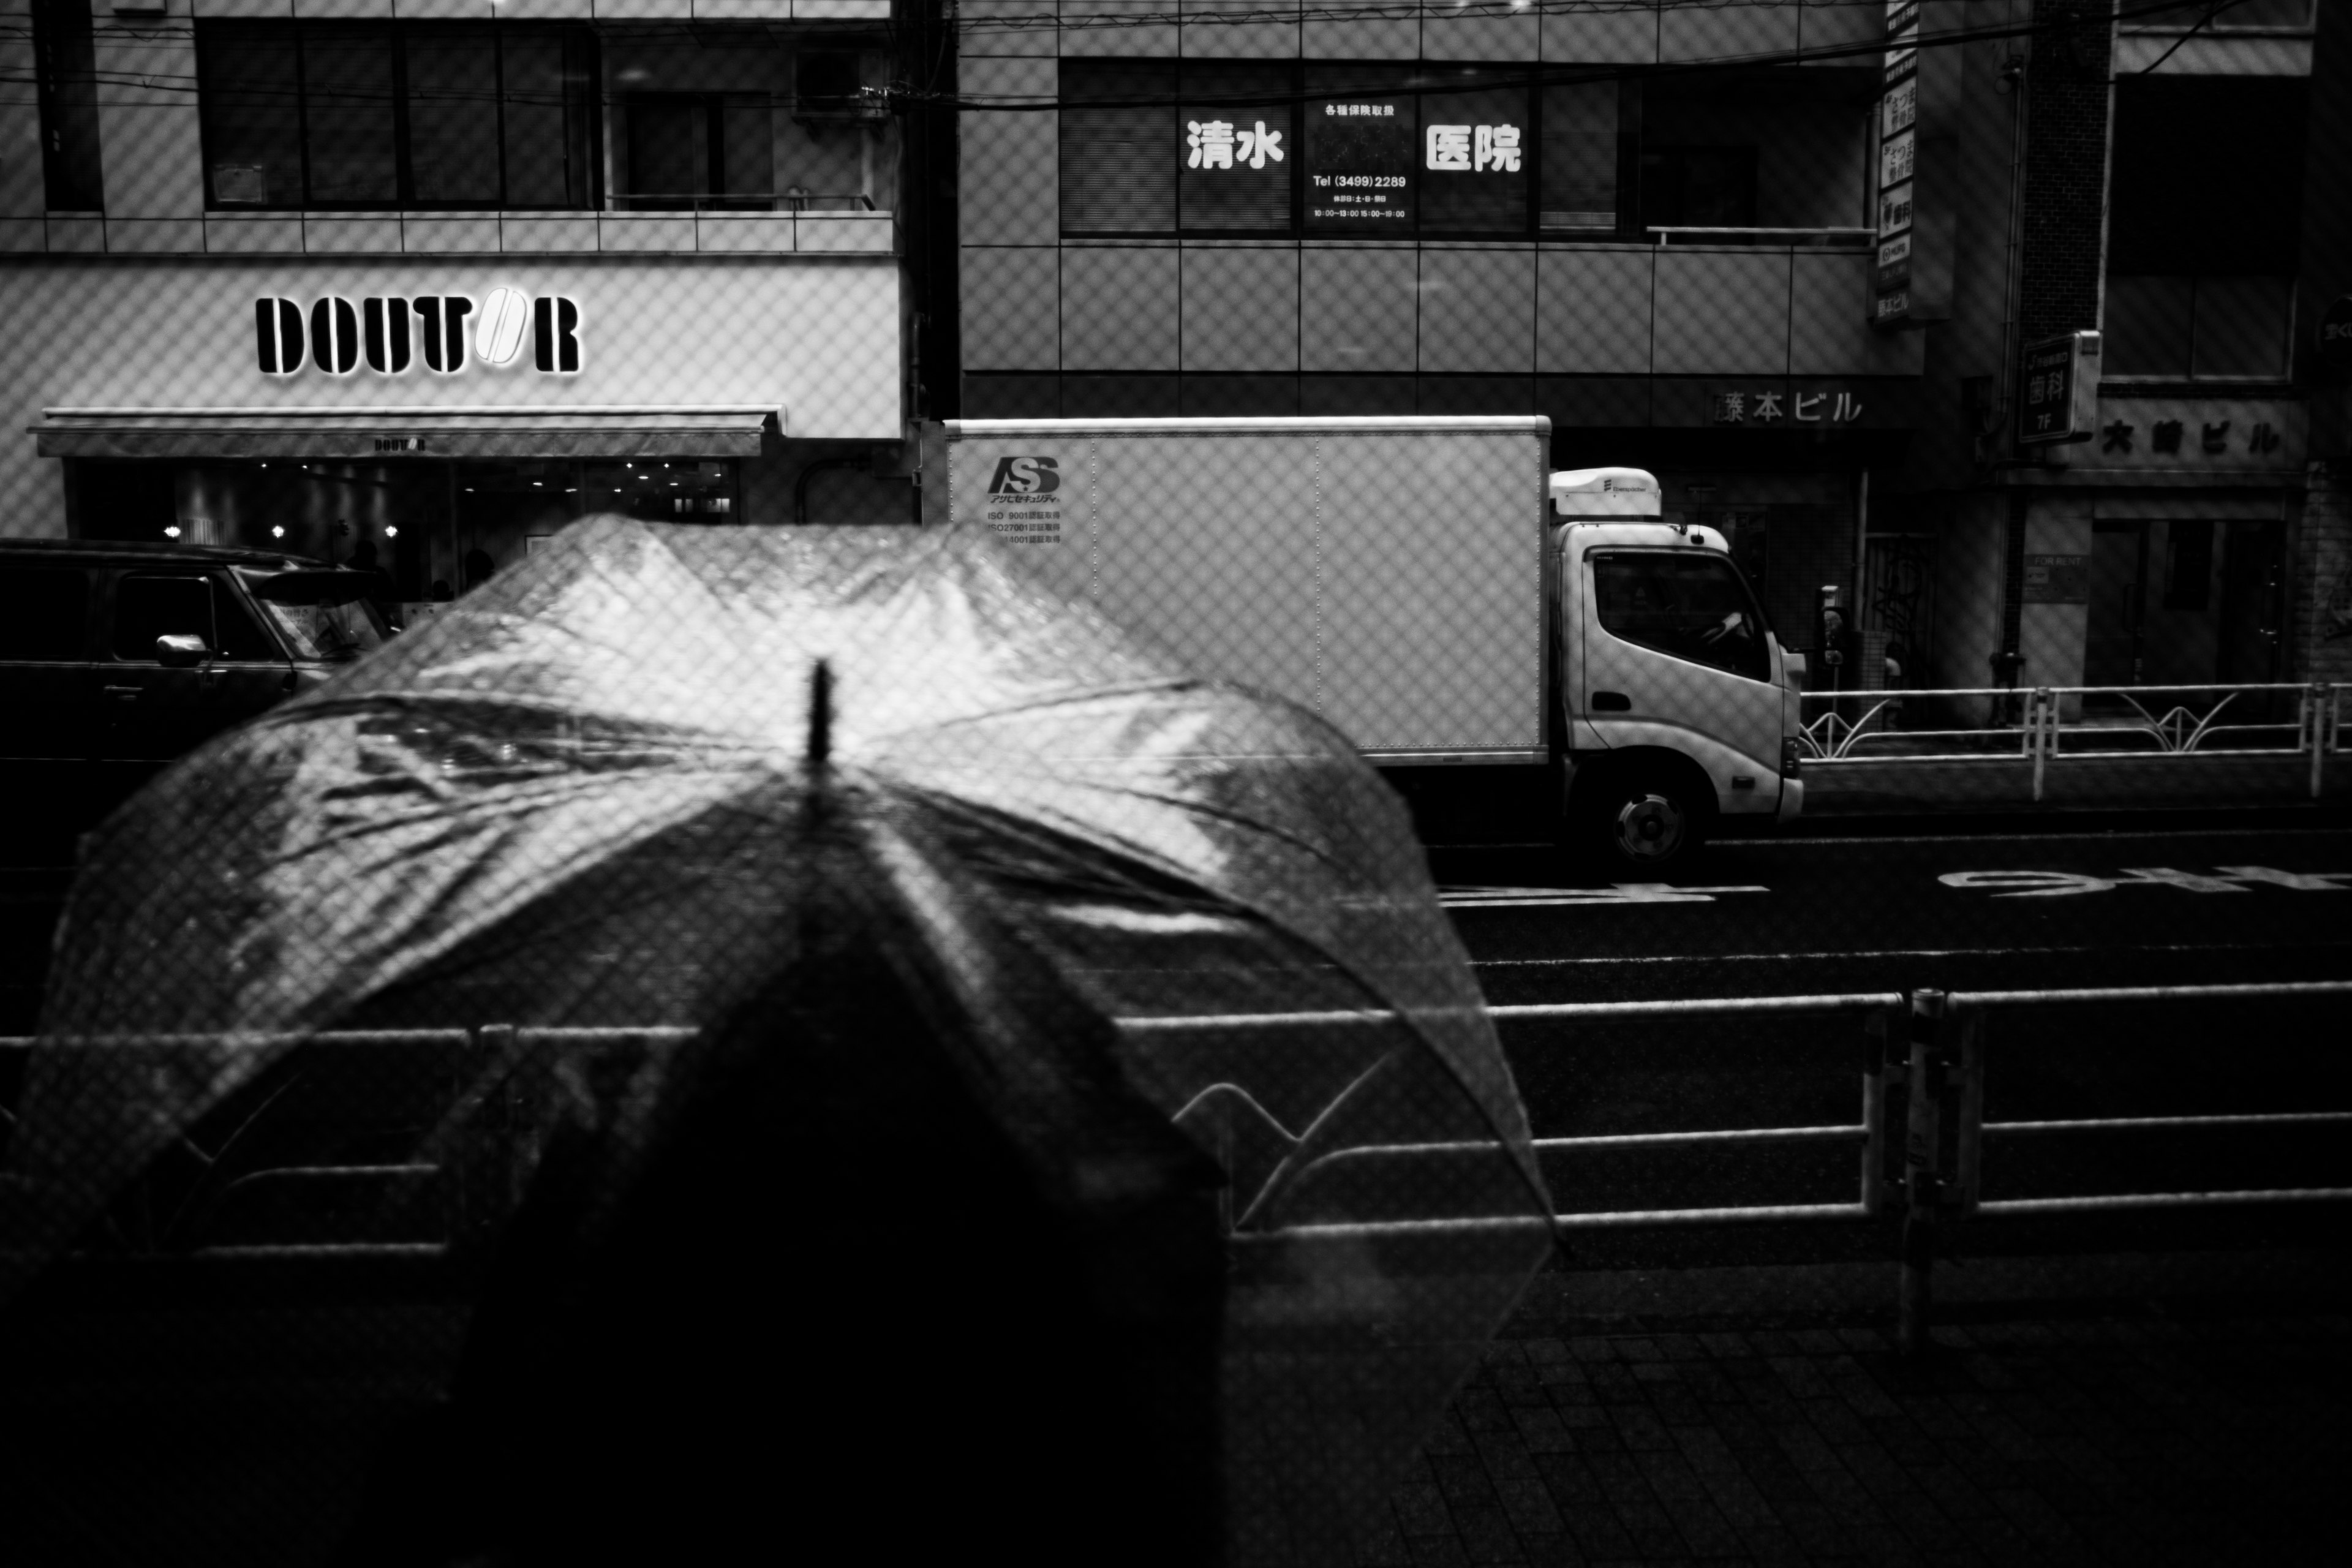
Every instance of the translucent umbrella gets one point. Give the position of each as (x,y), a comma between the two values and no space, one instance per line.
(806,804)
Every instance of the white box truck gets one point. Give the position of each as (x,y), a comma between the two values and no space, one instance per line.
(1428,586)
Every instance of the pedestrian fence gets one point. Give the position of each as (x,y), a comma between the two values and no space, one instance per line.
(2055,726)
(1920,1137)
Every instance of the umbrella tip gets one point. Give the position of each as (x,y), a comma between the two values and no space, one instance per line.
(820,730)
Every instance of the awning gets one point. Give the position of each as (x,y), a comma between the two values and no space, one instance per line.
(595,430)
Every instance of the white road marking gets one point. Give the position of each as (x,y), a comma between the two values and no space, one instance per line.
(2068,884)
(1860,841)
(1887,952)
(1556,898)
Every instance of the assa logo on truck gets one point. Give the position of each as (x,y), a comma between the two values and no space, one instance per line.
(1023,508)
(387,335)
(1025,477)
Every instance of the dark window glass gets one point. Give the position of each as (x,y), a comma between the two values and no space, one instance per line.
(747,149)
(2187,565)
(453,119)
(2241,326)
(1685,604)
(252,101)
(1698,187)
(1237,155)
(66,70)
(700,150)
(355,115)
(1360,144)
(547,87)
(42,613)
(2146,326)
(146,609)
(1580,156)
(1119,159)
(2207,175)
(2211,326)
(347,113)
(1475,160)
(669,150)
(241,637)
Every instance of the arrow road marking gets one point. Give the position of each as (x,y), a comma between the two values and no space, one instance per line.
(1555,898)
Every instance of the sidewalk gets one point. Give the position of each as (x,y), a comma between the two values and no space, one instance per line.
(2135,1437)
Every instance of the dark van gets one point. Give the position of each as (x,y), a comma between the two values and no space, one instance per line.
(116,657)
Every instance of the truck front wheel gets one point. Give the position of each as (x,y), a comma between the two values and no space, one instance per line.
(1646,823)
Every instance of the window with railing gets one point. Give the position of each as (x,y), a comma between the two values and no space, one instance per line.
(396,115)
(729,120)
(1382,151)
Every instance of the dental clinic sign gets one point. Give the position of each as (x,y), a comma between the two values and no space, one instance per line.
(389,334)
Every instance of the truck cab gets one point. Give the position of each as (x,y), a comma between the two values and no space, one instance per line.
(1679,705)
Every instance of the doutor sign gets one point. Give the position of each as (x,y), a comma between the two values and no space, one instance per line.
(387,333)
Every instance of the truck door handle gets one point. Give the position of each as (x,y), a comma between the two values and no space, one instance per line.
(128,692)
(1612,702)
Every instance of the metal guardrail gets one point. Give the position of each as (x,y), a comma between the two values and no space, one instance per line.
(1939,1063)
(2212,720)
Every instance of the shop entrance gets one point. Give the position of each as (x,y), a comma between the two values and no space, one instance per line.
(432,529)
(2190,601)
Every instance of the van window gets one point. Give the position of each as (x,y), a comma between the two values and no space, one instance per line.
(323,615)
(146,609)
(44,613)
(1681,602)
(241,637)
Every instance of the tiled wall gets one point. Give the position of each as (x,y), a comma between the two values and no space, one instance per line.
(1483,30)
(1443,310)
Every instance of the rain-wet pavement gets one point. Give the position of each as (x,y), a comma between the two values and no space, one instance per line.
(2127,1433)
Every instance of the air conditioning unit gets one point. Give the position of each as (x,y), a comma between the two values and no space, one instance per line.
(827,89)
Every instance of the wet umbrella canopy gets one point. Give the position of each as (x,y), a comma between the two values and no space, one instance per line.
(1094,1026)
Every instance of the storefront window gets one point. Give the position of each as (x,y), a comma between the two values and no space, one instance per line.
(342,114)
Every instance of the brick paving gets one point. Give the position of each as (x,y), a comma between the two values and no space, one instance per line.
(2136,1436)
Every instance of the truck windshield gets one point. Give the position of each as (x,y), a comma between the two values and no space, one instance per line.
(323,615)
(1691,604)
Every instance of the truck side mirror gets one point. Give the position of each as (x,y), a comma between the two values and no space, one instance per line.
(181,650)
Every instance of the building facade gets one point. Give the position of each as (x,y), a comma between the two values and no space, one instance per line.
(1793,258)
(417,289)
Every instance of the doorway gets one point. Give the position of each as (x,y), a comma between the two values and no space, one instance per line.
(2184,602)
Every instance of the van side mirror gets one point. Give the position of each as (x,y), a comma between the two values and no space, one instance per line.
(181,650)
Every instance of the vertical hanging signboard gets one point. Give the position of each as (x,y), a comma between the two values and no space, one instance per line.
(1898,144)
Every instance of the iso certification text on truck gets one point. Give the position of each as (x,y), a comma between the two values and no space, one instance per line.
(1431,588)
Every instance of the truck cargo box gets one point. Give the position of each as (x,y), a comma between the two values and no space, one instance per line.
(1386,573)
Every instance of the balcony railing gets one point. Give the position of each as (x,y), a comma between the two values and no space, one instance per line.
(1719,234)
(790,201)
